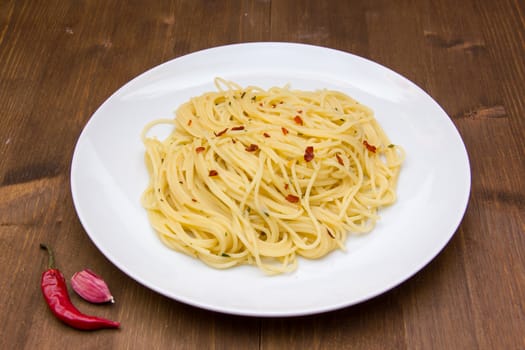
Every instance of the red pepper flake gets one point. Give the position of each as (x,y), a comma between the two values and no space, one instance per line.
(298,120)
(284,130)
(200,149)
(236,128)
(252,148)
(220,132)
(266,134)
(260,104)
(309,153)
(189,122)
(292,199)
(330,233)
(339,159)
(213,173)
(370,147)
(286,186)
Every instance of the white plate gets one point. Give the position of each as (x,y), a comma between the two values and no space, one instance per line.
(108,177)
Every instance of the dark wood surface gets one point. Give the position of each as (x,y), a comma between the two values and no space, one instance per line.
(59,60)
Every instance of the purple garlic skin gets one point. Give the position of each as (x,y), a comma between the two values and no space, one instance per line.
(91,287)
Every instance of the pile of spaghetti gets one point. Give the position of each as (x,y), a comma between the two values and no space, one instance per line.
(254,176)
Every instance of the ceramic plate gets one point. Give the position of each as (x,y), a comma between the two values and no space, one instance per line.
(108,176)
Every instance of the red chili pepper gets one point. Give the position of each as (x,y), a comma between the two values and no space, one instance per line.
(220,132)
(339,159)
(292,199)
(370,147)
(309,153)
(251,148)
(55,292)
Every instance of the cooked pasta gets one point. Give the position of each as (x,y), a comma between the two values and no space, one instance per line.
(255,176)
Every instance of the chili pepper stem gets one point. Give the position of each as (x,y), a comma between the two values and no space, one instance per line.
(51,256)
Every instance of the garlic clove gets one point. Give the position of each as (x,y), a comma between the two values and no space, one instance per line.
(91,287)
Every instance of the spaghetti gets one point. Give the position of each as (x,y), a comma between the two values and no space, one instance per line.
(254,176)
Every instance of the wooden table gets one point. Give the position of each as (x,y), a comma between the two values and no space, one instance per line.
(59,60)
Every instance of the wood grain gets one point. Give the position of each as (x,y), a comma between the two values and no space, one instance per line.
(61,59)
